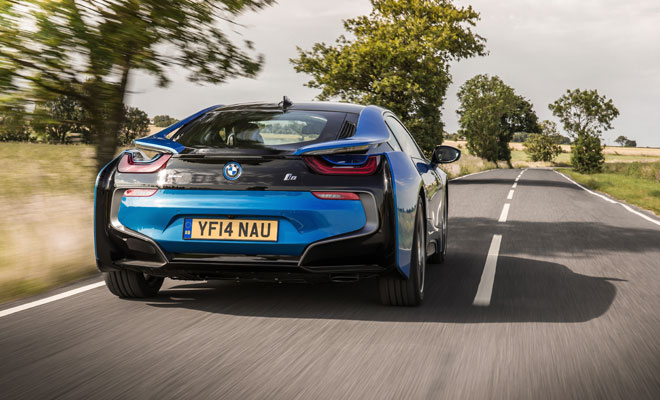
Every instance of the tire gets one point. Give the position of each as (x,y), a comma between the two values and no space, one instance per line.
(398,291)
(132,285)
(439,256)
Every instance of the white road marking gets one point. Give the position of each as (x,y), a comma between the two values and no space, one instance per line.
(517,178)
(505,212)
(474,173)
(627,207)
(27,306)
(510,196)
(485,290)
(514,185)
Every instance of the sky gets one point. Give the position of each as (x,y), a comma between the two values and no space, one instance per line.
(539,47)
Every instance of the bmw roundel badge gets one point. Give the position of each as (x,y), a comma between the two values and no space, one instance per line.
(232,171)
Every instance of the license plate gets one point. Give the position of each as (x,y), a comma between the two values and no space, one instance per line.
(230,229)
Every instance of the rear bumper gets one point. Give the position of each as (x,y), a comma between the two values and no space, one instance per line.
(303,218)
(361,243)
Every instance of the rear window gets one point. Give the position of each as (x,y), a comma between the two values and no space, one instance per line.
(258,129)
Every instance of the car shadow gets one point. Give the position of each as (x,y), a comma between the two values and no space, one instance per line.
(525,290)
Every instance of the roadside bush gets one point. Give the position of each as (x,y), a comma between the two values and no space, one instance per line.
(587,155)
(541,147)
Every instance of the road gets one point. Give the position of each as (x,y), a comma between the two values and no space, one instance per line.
(572,314)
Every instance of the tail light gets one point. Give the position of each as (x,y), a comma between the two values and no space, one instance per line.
(367,165)
(128,165)
(336,195)
(140,192)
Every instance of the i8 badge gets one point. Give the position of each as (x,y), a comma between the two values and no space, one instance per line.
(232,171)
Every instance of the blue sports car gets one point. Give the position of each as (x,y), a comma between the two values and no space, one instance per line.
(277,192)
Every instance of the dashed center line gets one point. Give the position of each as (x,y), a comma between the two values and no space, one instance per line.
(505,212)
(485,290)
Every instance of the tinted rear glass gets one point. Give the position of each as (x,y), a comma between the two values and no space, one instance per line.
(258,129)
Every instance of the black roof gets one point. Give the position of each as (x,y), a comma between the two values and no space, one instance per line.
(311,106)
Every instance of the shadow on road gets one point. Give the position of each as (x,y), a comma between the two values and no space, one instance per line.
(576,239)
(525,290)
(521,182)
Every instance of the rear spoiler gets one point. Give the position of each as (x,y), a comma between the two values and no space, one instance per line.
(159,141)
(370,131)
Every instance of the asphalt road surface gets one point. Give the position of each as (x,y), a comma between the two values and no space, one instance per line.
(556,298)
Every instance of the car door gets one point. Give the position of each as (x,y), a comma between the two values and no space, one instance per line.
(433,184)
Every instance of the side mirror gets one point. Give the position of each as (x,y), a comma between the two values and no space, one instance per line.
(445,155)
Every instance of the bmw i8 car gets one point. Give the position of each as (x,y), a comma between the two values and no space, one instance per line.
(278,192)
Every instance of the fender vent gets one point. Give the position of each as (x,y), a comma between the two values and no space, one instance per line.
(347,130)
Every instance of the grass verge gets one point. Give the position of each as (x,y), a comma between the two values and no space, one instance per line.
(45,217)
(635,183)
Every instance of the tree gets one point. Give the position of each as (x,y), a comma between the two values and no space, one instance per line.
(549,128)
(543,146)
(135,124)
(585,115)
(56,118)
(163,121)
(490,113)
(631,143)
(13,125)
(398,57)
(522,118)
(621,140)
(89,49)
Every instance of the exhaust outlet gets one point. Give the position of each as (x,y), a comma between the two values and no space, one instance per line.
(344,278)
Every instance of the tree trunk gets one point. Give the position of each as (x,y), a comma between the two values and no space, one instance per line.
(106,146)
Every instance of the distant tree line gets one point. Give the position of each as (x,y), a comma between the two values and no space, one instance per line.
(521,137)
(625,142)
(163,121)
(63,120)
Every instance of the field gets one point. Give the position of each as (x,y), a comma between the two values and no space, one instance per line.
(519,158)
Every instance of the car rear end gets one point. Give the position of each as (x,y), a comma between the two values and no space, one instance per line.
(237,201)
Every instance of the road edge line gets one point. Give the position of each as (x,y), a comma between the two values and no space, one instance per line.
(474,173)
(37,303)
(604,197)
